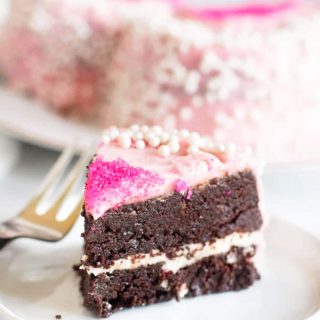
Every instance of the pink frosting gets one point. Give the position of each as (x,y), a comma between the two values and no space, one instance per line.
(251,8)
(120,176)
(110,184)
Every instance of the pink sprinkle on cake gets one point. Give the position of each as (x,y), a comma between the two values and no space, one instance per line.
(114,183)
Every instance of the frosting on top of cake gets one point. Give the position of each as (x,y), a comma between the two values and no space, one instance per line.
(141,163)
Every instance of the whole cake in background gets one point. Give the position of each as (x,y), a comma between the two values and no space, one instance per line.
(168,215)
(244,73)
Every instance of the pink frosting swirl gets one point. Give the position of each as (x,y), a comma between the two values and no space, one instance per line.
(221,12)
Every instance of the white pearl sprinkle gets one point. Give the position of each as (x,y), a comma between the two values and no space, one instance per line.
(124,140)
(174,146)
(137,136)
(164,137)
(194,138)
(230,149)
(135,127)
(114,133)
(184,134)
(209,63)
(193,150)
(140,144)
(154,142)
(149,135)
(220,148)
(186,113)
(197,101)
(192,82)
(106,139)
(202,143)
(174,137)
(164,151)
(209,146)
(145,129)
(157,130)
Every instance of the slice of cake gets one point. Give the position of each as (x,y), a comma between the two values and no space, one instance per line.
(167,215)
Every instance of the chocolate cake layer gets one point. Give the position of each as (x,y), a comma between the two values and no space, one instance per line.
(106,294)
(218,208)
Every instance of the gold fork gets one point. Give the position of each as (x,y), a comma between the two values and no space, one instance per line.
(30,224)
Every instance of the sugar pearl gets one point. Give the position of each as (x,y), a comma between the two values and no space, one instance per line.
(140,144)
(164,151)
(184,134)
(197,101)
(194,138)
(221,148)
(164,137)
(193,150)
(135,127)
(174,146)
(209,146)
(230,149)
(174,137)
(149,135)
(137,136)
(145,129)
(202,143)
(124,140)
(186,113)
(157,130)
(154,141)
(192,82)
(106,139)
(114,133)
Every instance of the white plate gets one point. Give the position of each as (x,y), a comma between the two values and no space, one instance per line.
(9,152)
(32,122)
(37,282)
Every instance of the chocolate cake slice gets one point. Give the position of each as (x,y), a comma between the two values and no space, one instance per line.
(167,215)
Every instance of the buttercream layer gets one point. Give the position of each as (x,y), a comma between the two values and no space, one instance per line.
(183,257)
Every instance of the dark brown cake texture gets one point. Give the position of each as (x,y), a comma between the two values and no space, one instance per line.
(218,208)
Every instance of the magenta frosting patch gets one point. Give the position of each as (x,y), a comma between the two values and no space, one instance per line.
(248,8)
(111,184)
(182,187)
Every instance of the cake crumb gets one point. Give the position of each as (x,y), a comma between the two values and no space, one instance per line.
(58,316)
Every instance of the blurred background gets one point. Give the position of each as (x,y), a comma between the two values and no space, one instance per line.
(241,72)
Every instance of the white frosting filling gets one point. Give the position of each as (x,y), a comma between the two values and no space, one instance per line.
(185,256)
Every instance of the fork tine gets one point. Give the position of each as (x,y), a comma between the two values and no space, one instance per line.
(55,171)
(65,225)
(57,168)
(72,179)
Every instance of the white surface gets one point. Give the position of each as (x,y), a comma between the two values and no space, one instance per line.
(40,274)
(32,122)
(9,153)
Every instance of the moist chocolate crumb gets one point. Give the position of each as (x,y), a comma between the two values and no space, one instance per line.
(58,316)
(172,221)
